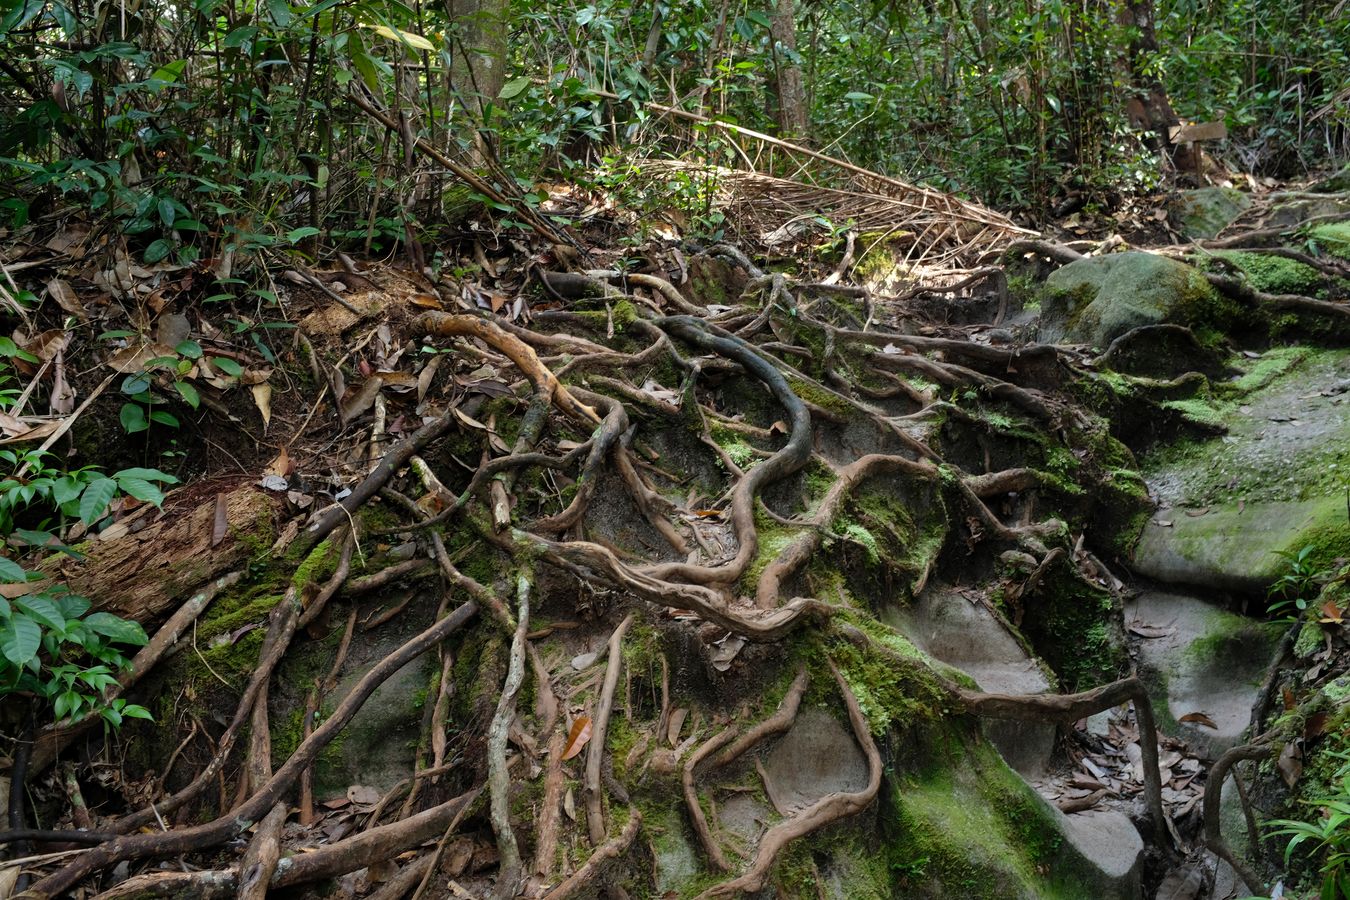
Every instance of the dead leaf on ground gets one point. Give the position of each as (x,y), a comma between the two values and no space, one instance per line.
(133,358)
(363,795)
(1199,718)
(262,398)
(578,737)
(1189,881)
(1331,613)
(676,723)
(60,290)
(1291,763)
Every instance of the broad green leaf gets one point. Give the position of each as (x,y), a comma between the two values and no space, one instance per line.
(119,630)
(20,638)
(11,571)
(190,349)
(188,393)
(43,611)
(227,365)
(133,421)
(157,251)
(98,494)
(141,489)
(300,234)
(147,474)
(514,87)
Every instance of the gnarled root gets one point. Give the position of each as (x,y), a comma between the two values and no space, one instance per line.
(824,811)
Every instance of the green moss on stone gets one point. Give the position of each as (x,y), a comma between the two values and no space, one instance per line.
(1334,238)
(1273,274)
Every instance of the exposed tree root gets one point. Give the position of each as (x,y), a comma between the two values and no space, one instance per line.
(590,870)
(595,751)
(498,777)
(1261,748)
(705,836)
(825,811)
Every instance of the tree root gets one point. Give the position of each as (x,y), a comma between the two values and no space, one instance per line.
(710,846)
(825,811)
(777,723)
(498,777)
(595,751)
(1260,748)
(139,846)
(608,850)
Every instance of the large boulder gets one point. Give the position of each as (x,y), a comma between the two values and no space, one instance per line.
(1097,299)
(1203,213)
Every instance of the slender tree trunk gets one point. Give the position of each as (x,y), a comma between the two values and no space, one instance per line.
(1149,107)
(478,70)
(792,119)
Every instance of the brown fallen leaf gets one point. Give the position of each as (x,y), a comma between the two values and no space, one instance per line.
(676,723)
(221,527)
(1199,718)
(1079,804)
(1331,613)
(262,398)
(1290,763)
(66,298)
(1150,631)
(578,737)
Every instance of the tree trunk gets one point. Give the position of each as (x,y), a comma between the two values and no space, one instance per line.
(1149,107)
(478,70)
(792,120)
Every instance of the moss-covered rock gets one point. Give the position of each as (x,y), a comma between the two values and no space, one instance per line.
(1333,238)
(1202,213)
(1273,274)
(1095,300)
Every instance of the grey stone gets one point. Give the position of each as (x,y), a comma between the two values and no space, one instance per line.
(966,636)
(745,817)
(1211,662)
(1109,841)
(817,756)
(1097,299)
(1202,213)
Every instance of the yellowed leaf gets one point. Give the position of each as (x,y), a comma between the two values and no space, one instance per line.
(416,41)
(577,737)
(262,397)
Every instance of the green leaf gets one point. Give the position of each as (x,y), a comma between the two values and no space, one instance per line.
(157,251)
(147,475)
(43,610)
(12,572)
(133,421)
(858,95)
(131,710)
(280,11)
(20,638)
(190,349)
(98,494)
(166,212)
(242,35)
(72,606)
(188,393)
(171,71)
(116,629)
(300,234)
(514,87)
(163,418)
(141,490)
(227,365)
(13,350)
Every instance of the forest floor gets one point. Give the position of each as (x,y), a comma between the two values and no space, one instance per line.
(674,570)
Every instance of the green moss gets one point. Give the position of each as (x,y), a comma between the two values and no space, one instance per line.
(1334,238)
(319,566)
(818,396)
(1273,274)
(893,690)
(1076,629)
(1273,363)
(773,540)
(1198,412)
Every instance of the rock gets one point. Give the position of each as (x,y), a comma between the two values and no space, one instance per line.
(1209,662)
(817,756)
(1202,213)
(1234,546)
(1111,842)
(1097,299)
(677,862)
(965,635)
(1275,482)
(1333,238)
(745,817)
(1295,212)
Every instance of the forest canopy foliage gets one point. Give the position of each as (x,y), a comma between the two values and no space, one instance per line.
(216,130)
